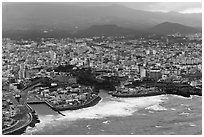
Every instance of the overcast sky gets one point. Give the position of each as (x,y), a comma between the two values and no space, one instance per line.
(182,7)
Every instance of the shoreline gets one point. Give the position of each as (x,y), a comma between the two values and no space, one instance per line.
(185,95)
(132,96)
(172,91)
(21,128)
(90,103)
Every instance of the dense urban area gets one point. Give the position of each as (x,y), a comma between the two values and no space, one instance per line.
(68,73)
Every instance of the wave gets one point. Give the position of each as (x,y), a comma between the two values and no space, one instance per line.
(156,107)
(178,96)
(184,113)
(44,125)
(114,107)
(192,125)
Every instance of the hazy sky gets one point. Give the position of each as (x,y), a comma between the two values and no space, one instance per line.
(182,7)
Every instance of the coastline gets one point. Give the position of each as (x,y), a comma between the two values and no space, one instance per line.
(86,121)
(186,95)
(127,96)
(20,128)
(184,92)
(90,103)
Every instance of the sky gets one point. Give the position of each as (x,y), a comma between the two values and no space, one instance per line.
(181,7)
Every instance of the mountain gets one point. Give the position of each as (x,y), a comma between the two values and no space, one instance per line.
(35,34)
(171,28)
(63,16)
(108,30)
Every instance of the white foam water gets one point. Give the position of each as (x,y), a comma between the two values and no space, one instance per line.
(178,96)
(106,122)
(184,114)
(192,125)
(173,109)
(116,107)
(156,107)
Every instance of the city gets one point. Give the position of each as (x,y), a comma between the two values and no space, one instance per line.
(131,59)
(103,79)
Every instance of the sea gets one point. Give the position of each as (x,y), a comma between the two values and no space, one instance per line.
(155,115)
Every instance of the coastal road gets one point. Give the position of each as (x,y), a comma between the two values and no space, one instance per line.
(19,125)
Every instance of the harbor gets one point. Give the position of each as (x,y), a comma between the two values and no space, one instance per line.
(137,115)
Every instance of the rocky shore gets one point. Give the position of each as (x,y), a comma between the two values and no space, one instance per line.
(159,89)
(135,89)
(89,103)
(31,118)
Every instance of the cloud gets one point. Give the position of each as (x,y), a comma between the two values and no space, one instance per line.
(182,7)
(192,10)
(167,6)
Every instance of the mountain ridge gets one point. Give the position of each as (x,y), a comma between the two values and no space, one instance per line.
(62,16)
(107,30)
(102,30)
(170,28)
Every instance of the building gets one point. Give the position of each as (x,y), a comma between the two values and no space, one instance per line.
(27,73)
(53,55)
(147,52)
(154,52)
(22,66)
(155,74)
(142,71)
(21,74)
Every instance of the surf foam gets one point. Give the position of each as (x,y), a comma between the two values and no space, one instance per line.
(115,107)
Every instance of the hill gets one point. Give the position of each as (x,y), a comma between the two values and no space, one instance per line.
(171,28)
(108,30)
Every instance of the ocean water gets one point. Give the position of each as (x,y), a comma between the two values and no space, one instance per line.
(159,115)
